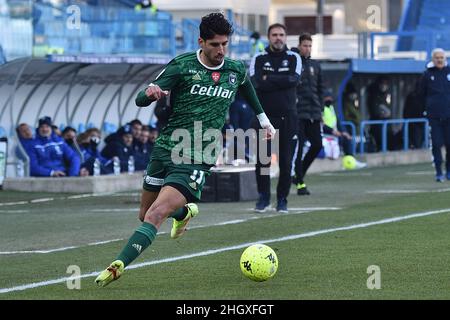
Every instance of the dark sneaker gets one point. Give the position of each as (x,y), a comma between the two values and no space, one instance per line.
(263,204)
(448,175)
(282,206)
(440,178)
(302,190)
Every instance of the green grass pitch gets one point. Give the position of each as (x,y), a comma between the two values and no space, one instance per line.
(395,218)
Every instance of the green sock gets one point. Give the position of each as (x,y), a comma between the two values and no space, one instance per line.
(139,241)
(179,214)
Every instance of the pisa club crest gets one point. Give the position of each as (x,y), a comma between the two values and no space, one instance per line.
(215,76)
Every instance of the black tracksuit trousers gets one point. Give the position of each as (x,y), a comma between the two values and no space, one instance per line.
(283,138)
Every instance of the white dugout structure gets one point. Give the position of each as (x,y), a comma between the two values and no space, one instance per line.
(96,92)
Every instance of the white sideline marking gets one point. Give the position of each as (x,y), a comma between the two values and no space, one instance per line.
(13,203)
(116,210)
(260,216)
(230,248)
(42,200)
(297,210)
(77,196)
(345,174)
(80,196)
(13,211)
(396,191)
(57,249)
(408,191)
(420,173)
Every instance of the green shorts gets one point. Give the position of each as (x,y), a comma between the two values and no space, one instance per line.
(186,178)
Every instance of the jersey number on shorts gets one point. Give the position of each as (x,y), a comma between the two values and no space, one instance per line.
(197,176)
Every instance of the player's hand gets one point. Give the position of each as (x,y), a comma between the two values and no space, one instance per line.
(265,124)
(270,132)
(154,92)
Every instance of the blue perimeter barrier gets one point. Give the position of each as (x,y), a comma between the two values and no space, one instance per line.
(385,123)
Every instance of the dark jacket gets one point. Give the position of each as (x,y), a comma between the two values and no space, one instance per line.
(52,154)
(380,107)
(277,92)
(435,91)
(310,90)
(142,152)
(120,150)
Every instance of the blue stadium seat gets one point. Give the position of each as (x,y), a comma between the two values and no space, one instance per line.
(434,16)
(109,128)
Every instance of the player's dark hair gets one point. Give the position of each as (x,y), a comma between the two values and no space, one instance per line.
(215,24)
(276,25)
(303,37)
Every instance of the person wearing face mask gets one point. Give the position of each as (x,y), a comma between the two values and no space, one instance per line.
(89,142)
(69,135)
(379,104)
(257,44)
(332,127)
(121,148)
(351,106)
(435,96)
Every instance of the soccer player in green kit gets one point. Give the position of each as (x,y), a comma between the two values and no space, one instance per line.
(202,86)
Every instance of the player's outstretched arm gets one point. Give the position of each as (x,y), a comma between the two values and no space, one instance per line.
(152,93)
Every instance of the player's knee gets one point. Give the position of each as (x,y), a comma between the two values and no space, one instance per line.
(158,213)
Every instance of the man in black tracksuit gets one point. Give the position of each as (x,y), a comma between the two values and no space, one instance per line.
(435,93)
(275,74)
(309,108)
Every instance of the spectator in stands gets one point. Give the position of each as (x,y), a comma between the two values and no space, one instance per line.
(69,135)
(88,142)
(24,133)
(136,128)
(332,126)
(435,94)
(351,105)
(415,109)
(50,155)
(56,130)
(143,148)
(26,139)
(257,44)
(121,148)
(379,104)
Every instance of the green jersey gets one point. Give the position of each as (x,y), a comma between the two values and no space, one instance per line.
(200,97)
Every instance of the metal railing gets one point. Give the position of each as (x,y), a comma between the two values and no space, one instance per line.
(384,135)
(353,133)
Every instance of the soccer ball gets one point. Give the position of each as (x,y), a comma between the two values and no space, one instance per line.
(349,162)
(259,262)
